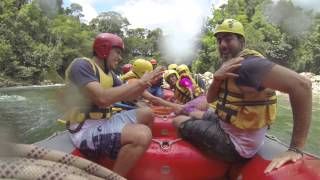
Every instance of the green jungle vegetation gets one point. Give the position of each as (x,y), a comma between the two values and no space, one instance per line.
(38,40)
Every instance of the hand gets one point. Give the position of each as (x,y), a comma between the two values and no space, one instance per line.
(227,69)
(282,159)
(197,114)
(153,76)
(178,108)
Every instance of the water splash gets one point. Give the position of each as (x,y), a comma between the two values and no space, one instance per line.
(12,98)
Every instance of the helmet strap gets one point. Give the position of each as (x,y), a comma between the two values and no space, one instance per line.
(106,69)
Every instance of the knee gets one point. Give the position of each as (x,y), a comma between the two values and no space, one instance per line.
(178,120)
(146,114)
(175,123)
(142,136)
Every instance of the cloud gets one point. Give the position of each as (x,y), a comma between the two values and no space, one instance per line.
(181,21)
(88,10)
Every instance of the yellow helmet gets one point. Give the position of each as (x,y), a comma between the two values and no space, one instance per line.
(172,67)
(231,26)
(141,66)
(167,73)
(183,67)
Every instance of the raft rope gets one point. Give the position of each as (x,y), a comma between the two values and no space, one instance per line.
(22,161)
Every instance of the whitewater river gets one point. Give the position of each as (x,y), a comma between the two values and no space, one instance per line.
(29,114)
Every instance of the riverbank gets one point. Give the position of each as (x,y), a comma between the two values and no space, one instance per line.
(207,77)
(49,79)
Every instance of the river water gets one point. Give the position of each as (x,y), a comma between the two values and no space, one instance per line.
(29,114)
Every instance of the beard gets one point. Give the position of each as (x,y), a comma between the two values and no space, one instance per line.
(230,53)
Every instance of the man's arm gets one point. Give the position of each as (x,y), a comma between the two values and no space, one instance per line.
(156,100)
(213,90)
(105,97)
(300,93)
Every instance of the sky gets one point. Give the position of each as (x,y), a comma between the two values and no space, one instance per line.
(147,13)
(181,20)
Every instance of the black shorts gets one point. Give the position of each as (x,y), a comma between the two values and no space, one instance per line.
(207,135)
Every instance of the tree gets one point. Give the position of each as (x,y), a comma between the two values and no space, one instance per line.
(111,22)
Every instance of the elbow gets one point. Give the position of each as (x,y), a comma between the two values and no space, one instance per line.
(302,85)
(306,84)
(102,102)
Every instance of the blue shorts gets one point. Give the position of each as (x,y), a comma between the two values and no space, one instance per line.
(103,137)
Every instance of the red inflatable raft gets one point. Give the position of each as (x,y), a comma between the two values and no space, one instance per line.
(171,158)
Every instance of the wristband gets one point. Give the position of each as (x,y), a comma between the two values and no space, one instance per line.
(296,150)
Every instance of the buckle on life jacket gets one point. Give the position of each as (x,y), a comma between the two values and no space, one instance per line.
(99,113)
(229,112)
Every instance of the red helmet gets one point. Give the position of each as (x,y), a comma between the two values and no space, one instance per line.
(153,61)
(104,42)
(126,68)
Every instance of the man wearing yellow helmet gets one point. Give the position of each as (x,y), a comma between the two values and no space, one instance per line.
(141,66)
(172,67)
(244,88)
(156,88)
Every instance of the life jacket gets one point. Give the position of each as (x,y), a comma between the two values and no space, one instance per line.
(250,111)
(84,109)
(183,94)
(213,105)
(129,75)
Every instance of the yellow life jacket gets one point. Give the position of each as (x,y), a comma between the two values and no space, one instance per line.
(129,75)
(84,108)
(246,110)
(248,52)
(213,105)
(183,94)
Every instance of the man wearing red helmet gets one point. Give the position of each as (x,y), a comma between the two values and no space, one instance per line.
(156,88)
(126,68)
(93,88)
(154,63)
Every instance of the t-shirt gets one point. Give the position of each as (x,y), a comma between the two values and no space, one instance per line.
(81,73)
(251,73)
